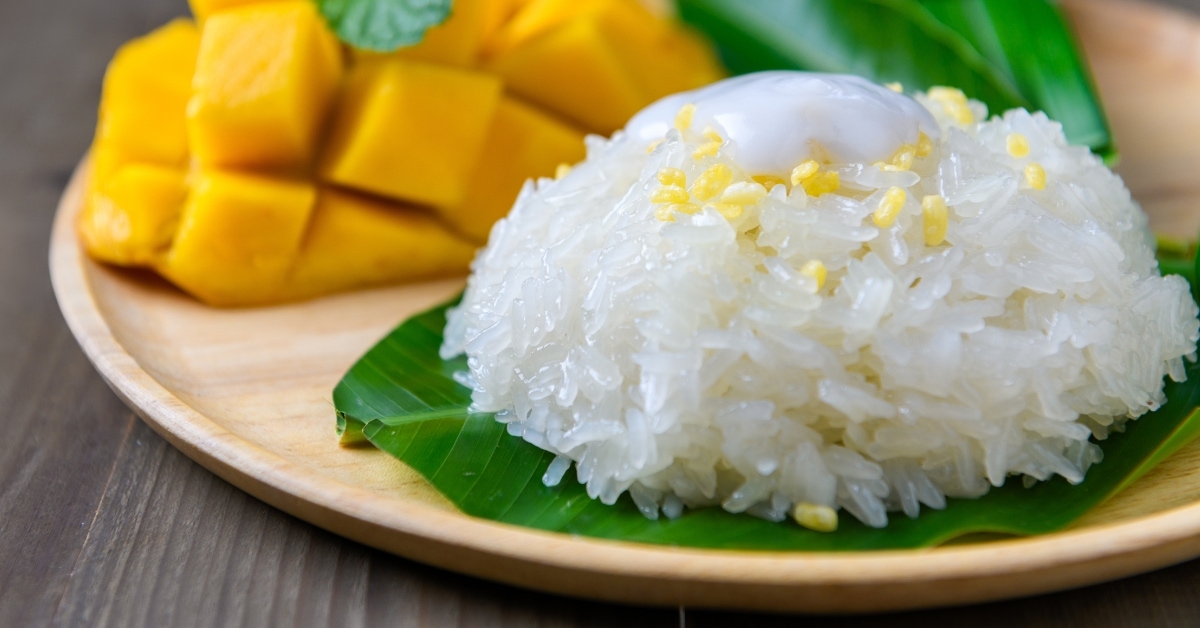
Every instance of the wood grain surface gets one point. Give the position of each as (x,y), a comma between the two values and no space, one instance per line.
(103,523)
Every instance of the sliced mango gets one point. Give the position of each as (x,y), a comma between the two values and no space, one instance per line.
(238,237)
(456,41)
(145,95)
(538,17)
(609,58)
(265,78)
(204,8)
(522,143)
(305,180)
(410,130)
(132,219)
(683,61)
(592,87)
(356,241)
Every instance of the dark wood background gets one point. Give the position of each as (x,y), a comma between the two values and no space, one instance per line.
(103,523)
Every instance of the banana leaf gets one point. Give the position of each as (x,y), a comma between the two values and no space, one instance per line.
(1006,53)
(402,398)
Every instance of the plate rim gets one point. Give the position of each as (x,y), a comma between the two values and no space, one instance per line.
(615,571)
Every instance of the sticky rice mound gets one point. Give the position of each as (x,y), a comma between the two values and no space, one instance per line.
(798,347)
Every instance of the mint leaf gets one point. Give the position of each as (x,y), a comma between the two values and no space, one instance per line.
(383,25)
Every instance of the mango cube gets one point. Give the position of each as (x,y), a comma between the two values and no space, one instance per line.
(592,85)
(410,130)
(131,219)
(356,241)
(265,78)
(610,58)
(456,41)
(541,16)
(204,8)
(238,237)
(522,143)
(145,95)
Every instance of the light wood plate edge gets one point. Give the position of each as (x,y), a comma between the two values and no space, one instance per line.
(852,582)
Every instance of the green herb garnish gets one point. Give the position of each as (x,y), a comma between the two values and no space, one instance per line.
(383,25)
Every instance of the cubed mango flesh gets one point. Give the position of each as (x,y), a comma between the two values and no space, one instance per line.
(609,58)
(145,95)
(591,87)
(522,143)
(131,219)
(410,130)
(458,40)
(201,9)
(265,79)
(238,237)
(355,241)
(239,162)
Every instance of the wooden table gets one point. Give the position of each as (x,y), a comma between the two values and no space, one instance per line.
(103,522)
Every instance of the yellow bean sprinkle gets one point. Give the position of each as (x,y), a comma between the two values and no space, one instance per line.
(895,86)
(683,119)
(890,206)
(815,517)
(562,170)
(924,145)
(685,208)
(769,181)
(669,194)
(1035,176)
(743,193)
(903,159)
(709,149)
(806,169)
(821,183)
(815,269)
(954,101)
(712,182)
(1018,145)
(664,213)
(936,217)
(672,176)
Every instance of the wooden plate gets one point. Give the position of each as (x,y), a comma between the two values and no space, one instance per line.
(246,393)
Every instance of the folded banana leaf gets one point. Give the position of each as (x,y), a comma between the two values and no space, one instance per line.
(402,398)
(1006,53)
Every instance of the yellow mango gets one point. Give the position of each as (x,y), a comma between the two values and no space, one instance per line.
(410,130)
(497,13)
(683,61)
(355,241)
(522,143)
(541,16)
(204,8)
(575,72)
(145,95)
(131,219)
(608,59)
(238,237)
(265,78)
(457,40)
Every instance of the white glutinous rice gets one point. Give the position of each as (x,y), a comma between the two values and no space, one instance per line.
(976,302)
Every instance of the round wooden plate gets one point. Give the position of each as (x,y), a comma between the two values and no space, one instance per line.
(246,393)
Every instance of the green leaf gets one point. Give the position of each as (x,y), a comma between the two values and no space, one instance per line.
(1006,53)
(1030,42)
(383,25)
(410,406)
